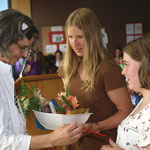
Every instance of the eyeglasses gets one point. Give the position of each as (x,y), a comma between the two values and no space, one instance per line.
(23,48)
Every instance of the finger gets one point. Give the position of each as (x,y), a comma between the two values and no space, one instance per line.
(77,130)
(76,133)
(75,138)
(72,126)
(111,142)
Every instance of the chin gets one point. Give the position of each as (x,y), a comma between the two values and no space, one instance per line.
(13,63)
(79,54)
(131,88)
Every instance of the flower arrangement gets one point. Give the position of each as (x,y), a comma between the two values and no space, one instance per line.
(69,102)
(32,100)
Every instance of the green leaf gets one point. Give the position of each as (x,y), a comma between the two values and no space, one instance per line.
(34,102)
(67,92)
(33,88)
(61,110)
(65,100)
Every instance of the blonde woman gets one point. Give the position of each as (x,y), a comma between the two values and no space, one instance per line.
(94,77)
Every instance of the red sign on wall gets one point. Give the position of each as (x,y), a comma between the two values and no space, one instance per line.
(57,38)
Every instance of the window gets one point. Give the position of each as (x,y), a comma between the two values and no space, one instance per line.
(4,4)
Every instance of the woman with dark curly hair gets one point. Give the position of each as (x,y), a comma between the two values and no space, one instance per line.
(17,36)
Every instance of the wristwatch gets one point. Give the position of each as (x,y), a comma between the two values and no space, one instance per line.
(99,127)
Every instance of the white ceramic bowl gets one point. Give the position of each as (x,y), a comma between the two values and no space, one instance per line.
(52,121)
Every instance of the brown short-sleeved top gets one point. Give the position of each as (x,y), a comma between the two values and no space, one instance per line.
(107,78)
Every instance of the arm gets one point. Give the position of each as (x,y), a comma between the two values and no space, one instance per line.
(147,147)
(10,134)
(29,64)
(28,69)
(64,135)
(120,97)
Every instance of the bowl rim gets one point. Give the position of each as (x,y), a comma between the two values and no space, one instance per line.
(62,114)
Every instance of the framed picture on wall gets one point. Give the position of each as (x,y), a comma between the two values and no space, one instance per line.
(133,31)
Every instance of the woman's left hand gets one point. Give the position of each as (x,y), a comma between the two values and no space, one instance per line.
(112,146)
(89,126)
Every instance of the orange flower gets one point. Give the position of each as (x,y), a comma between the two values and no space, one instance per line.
(69,98)
(74,102)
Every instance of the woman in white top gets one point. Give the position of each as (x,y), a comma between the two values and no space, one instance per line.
(59,58)
(17,36)
(134,131)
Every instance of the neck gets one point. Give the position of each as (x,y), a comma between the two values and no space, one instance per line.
(5,60)
(146,95)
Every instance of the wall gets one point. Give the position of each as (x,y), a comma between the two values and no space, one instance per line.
(22,5)
(113,15)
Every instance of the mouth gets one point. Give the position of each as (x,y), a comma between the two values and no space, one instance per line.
(78,50)
(127,80)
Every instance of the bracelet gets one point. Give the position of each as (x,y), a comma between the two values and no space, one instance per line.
(99,127)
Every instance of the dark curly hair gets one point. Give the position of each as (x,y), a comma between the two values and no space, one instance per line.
(11,29)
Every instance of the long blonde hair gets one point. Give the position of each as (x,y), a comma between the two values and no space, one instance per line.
(94,53)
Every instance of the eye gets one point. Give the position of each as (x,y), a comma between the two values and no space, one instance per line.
(125,64)
(69,36)
(24,48)
(80,36)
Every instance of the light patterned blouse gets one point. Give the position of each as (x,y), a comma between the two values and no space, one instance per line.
(134,131)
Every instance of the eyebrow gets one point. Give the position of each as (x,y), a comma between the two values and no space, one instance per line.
(25,46)
(124,61)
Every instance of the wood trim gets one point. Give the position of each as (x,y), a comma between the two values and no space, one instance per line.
(19,81)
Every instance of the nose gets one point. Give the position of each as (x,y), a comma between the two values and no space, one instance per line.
(123,71)
(74,41)
(25,54)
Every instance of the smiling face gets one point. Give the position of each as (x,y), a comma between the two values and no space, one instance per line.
(130,71)
(76,40)
(16,50)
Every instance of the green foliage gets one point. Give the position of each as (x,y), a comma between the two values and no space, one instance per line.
(64,100)
(68,92)
(28,100)
(61,110)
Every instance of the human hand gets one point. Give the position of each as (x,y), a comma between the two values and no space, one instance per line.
(67,134)
(89,126)
(112,146)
